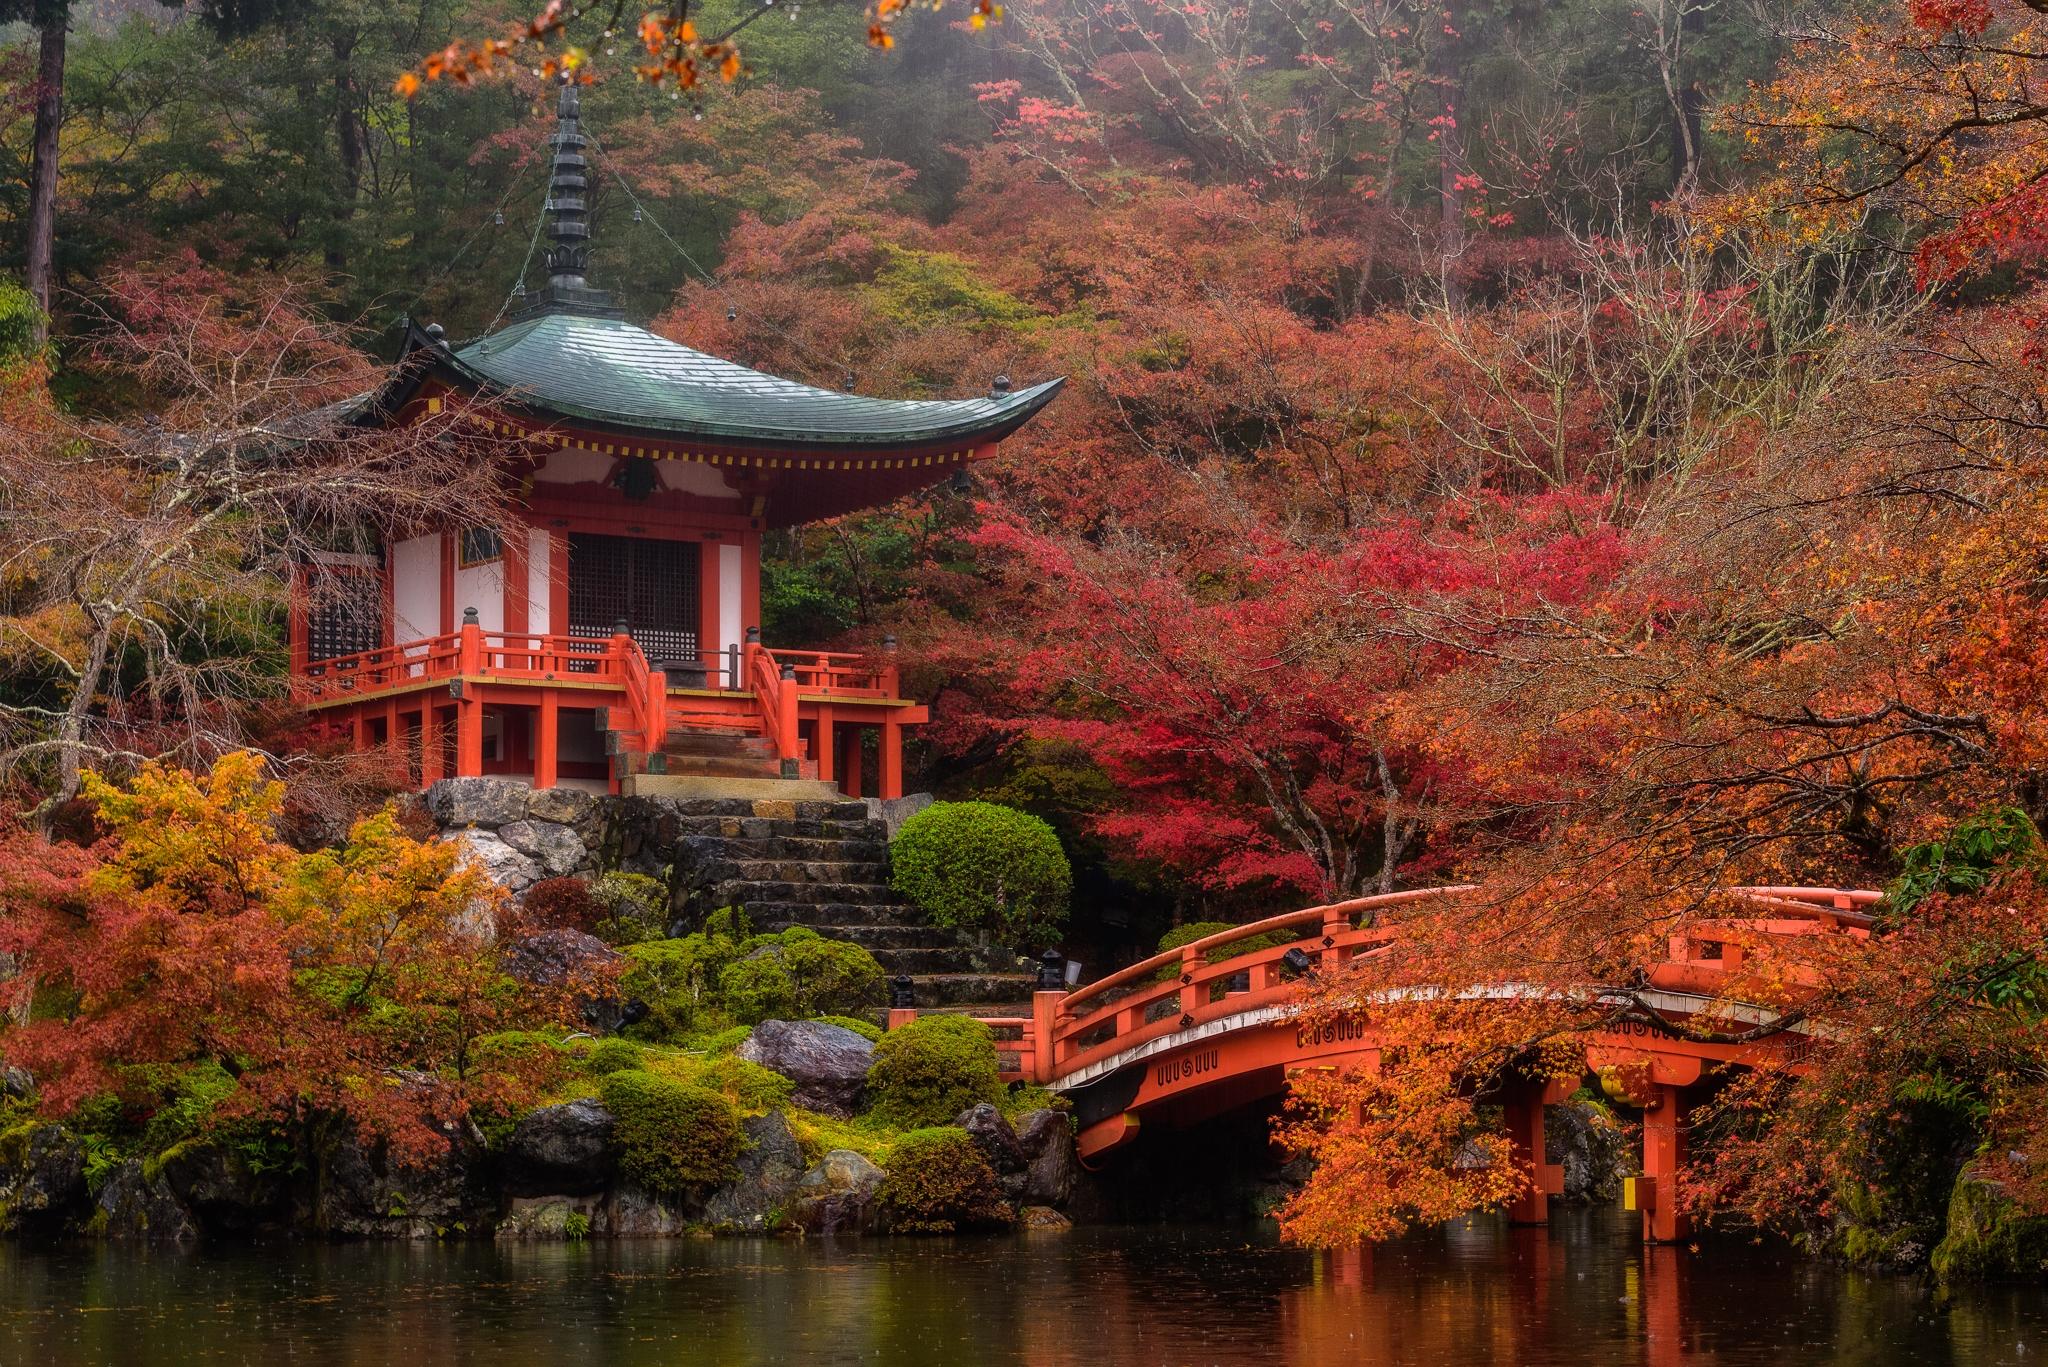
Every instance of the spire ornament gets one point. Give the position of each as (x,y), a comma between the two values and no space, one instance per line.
(568,210)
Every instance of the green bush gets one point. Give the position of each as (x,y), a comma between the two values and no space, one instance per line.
(978,866)
(613,1056)
(798,974)
(632,908)
(939,1182)
(677,979)
(672,1136)
(1202,930)
(929,1071)
(747,1085)
(19,319)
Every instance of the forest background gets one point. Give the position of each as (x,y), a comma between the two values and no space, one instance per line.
(1590,448)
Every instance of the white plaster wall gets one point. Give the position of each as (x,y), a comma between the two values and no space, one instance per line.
(537,595)
(416,588)
(482,587)
(693,477)
(729,625)
(572,466)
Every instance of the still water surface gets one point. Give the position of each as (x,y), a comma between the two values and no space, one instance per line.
(1581,1292)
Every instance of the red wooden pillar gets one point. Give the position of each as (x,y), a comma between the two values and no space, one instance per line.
(1524,1113)
(892,760)
(850,763)
(359,728)
(1663,1157)
(469,705)
(546,730)
(1045,1016)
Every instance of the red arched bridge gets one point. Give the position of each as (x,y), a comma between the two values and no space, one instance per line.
(1188,1034)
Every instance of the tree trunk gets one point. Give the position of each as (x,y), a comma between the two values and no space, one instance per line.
(348,131)
(1450,145)
(42,180)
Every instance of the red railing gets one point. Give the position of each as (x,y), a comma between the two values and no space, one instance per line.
(839,673)
(509,655)
(1181,989)
(775,701)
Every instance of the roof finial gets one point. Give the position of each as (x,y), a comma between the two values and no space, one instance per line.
(569,214)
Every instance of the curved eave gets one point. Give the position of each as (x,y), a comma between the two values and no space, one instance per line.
(994,420)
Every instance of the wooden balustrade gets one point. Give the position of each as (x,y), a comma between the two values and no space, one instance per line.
(1181,988)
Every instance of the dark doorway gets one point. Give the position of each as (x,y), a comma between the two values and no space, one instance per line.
(651,586)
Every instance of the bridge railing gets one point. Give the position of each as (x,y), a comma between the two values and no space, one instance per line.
(1182,988)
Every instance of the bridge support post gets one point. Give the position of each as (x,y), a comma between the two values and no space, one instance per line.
(1663,1156)
(1523,1110)
(1045,1015)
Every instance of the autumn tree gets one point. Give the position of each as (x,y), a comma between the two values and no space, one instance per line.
(356,982)
(151,553)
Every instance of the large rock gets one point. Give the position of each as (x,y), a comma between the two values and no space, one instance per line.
(565,806)
(770,1167)
(998,1144)
(573,959)
(892,812)
(43,1188)
(828,1063)
(136,1206)
(550,1217)
(503,865)
(361,1190)
(837,1195)
(556,848)
(1047,1139)
(484,802)
(223,1193)
(1588,1143)
(561,1150)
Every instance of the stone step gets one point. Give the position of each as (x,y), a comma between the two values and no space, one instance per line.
(938,990)
(785,892)
(722,741)
(824,917)
(831,806)
(690,787)
(852,849)
(867,872)
(952,959)
(875,938)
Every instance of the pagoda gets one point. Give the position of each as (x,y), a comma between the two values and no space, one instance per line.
(609,635)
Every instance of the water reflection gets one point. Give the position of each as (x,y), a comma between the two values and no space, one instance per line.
(1582,1291)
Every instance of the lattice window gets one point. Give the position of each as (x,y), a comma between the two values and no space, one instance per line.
(649,585)
(345,615)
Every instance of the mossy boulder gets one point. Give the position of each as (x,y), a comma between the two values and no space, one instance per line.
(674,1138)
(1988,1236)
(799,973)
(932,1069)
(939,1182)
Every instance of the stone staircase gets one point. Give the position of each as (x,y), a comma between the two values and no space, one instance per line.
(710,746)
(823,863)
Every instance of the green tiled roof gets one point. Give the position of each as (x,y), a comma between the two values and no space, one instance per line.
(608,371)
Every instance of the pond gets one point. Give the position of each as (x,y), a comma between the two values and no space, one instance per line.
(1581,1292)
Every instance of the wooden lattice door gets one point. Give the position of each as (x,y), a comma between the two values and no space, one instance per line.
(651,586)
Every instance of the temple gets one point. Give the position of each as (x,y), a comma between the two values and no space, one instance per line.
(611,636)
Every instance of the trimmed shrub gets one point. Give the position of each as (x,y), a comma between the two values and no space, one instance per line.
(613,1056)
(978,866)
(633,908)
(929,1071)
(677,979)
(797,974)
(744,1083)
(940,1182)
(558,904)
(672,1136)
